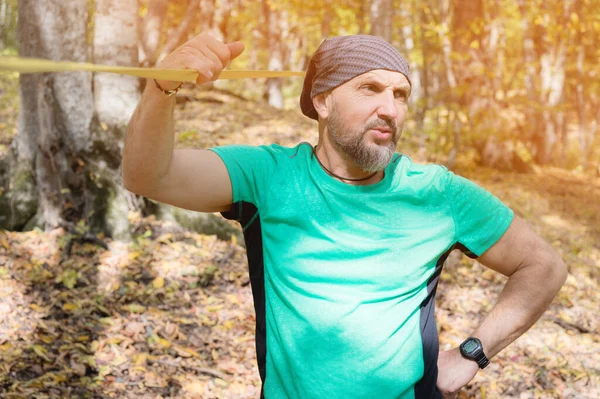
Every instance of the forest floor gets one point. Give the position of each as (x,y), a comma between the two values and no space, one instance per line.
(170,313)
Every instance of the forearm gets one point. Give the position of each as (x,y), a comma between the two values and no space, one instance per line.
(526,295)
(149,143)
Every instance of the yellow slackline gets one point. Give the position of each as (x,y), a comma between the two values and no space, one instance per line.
(35,65)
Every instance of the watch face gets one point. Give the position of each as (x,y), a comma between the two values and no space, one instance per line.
(470,346)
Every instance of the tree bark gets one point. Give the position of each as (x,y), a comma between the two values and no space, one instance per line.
(63,167)
(7,23)
(183,29)
(451,81)
(115,43)
(150,31)
(56,113)
(382,16)
(531,120)
(276,33)
(552,64)
(580,96)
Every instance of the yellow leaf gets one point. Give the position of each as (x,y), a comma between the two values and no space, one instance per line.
(68,307)
(164,343)
(475,44)
(58,378)
(118,360)
(233,299)
(47,339)
(41,352)
(104,126)
(165,238)
(94,346)
(114,340)
(35,307)
(5,244)
(221,382)
(135,308)
(186,352)
(133,255)
(228,324)
(140,359)
(214,308)
(574,18)
(112,287)
(138,369)
(233,239)
(158,282)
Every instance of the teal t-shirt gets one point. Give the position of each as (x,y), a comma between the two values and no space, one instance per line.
(349,272)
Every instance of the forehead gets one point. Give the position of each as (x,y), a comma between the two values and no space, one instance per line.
(383,76)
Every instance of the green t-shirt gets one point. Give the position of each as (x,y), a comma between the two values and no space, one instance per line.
(348,273)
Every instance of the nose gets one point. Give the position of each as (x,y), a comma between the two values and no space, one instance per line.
(388,108)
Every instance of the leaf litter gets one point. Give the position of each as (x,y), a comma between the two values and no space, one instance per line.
(171,315)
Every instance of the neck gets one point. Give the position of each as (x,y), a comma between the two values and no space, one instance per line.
(342,169)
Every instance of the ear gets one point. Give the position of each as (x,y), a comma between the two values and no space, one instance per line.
(321,103)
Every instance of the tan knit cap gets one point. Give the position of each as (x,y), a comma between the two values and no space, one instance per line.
(341,58)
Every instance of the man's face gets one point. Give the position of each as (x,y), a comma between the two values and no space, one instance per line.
(366,117)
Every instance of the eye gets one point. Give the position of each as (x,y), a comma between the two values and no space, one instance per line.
(400,94)
(368,87)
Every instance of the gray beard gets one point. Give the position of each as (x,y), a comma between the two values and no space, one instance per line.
(369,158)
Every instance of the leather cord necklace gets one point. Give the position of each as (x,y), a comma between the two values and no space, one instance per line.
(330,173)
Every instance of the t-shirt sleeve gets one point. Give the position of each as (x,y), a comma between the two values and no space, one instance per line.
(250,169)
(480,218)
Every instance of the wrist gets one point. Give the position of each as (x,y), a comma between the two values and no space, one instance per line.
(472,350)
(169,88)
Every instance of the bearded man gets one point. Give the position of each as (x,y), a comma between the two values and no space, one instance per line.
(346,239)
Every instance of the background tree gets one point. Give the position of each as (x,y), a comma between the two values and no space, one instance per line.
(506,83)
(63,163)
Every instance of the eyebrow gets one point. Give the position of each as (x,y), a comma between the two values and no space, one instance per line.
(372,79)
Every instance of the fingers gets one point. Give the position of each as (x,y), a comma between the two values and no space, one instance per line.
(205,54)
(236,48)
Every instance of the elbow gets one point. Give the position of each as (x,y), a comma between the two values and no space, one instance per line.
(561,270)
(129,181)
(556,271)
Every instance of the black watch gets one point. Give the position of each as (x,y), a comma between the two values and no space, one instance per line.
(473,350)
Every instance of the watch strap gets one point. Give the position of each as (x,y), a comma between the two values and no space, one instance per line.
(480,358)
(482,361)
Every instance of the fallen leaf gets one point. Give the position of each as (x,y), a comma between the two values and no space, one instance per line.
(158,282)
(69,307)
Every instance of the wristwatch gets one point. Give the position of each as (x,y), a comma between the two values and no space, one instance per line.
(473,350)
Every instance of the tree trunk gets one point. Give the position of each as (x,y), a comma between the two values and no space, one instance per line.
(115,98)
(183,29)
(63,167)
(150,31)
(56,114)
(382,16)
(531,120)
(7,23)
(115,43)
(424,75)
(580,97)
(451,81)
(275,37)
(552,64)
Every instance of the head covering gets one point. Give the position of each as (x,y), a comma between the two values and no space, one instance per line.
(341,58)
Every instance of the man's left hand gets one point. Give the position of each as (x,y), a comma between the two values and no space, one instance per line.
(454,372)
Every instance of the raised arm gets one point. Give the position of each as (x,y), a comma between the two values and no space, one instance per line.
(187,178)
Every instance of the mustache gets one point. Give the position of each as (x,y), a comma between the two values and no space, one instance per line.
(382,122)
